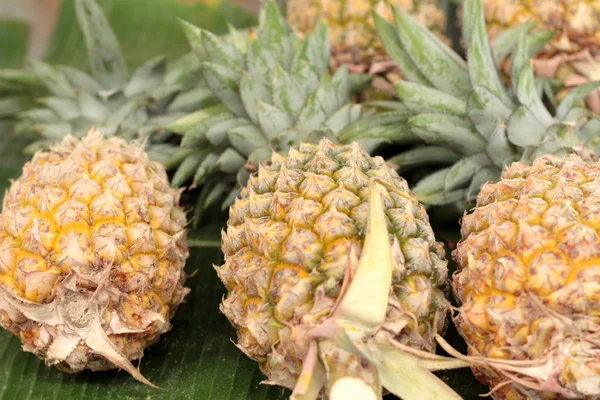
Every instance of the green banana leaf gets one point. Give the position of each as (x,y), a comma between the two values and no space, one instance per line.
(145,28)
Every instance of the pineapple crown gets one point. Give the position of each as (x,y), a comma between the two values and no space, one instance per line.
(467,116)
(132,106)
(274,91)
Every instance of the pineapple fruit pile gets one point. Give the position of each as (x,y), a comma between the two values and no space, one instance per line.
(335,282)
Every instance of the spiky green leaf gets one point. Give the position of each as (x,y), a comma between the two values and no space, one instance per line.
(106,60)
(443,68)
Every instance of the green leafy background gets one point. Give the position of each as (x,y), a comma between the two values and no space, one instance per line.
(196,359)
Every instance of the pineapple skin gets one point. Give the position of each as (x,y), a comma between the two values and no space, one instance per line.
(290,239)
(91,225)
(528,278)
(353,37)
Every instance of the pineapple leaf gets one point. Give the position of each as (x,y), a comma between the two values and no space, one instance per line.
(425,155)
(222,52)
(286,94)
(487,174)
(215,194)
(65,108)
(187,169)
(482,68)
(524,129)
(394,47)
(208,165)
(589,131)
(272,119)
(575,94)
(537,40)
(341,85)
(106,60)
(387,126)
(193,35)
(40,115)
(10,105)
(311,116)
(464,169)
(442,67)
(246,138)
(252,90)
(519,61)
(339,119)
(273,33)
(527,94)
(177,158)
(499,148)
(184,124)
(230,161)
(147,77)
(326,95)
(447,130)
(432,183)
(52,78)
(79,79)
(52,132)
(224,83)
(192,100)
(91,108)
(260,62)
(419,98)
(317,49)
(304,72)
(484,109)
(506,41)
(217,132)
(196,134)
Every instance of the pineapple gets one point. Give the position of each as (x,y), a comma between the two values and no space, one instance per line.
(573,54)
(322,296)
(529,283)
(353,36)
(92,250)
(473,125)
(136,106)
(274,91)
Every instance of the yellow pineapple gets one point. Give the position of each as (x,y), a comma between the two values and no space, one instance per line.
(92,250)
(316,318)
(529,280)
(354,40)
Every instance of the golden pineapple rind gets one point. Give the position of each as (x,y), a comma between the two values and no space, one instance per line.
(529,273)
(98,219)
(291,237)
